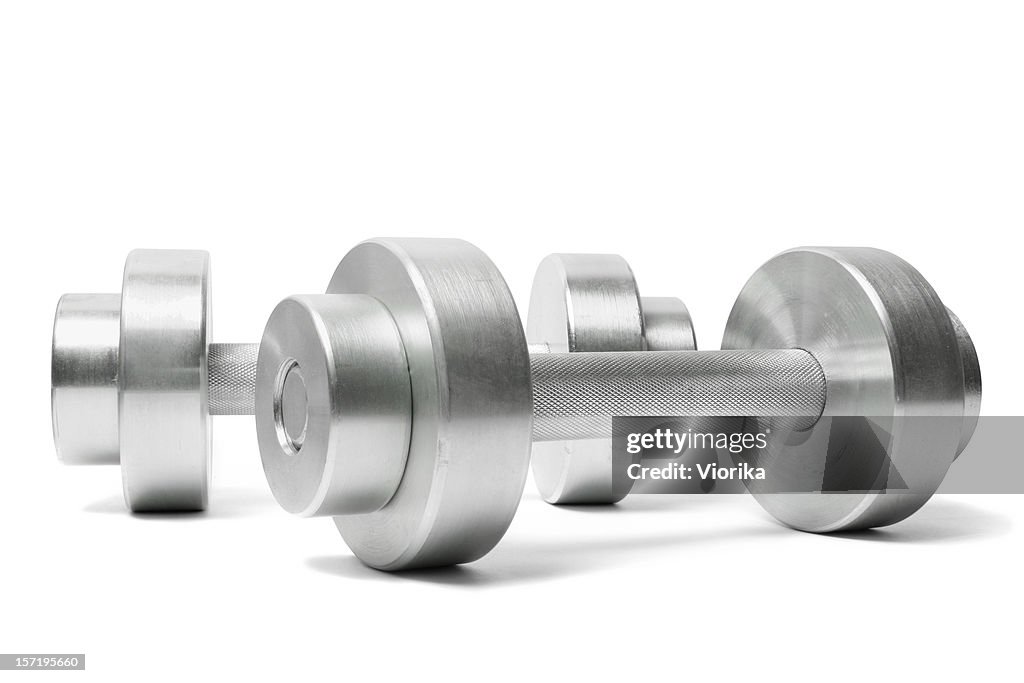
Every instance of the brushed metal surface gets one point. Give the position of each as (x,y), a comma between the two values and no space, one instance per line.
(972,382)
(667,324)
(470,377)
(150,341)
(408,410)
(162,379)
(333,404)
(83,379)
(591,303)
(889,352)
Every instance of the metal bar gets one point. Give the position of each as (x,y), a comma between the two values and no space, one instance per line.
(232,378)
(575,395)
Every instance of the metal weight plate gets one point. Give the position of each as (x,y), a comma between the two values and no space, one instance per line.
(590,302)
(890,354)
(469,372)
(162,380)
(86,331)
(333,404)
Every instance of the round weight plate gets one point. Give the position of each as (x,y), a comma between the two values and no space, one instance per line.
(590,302)
(162,378)
(890,356)
(333,405)
(471,402)
(83,381)
(667,324)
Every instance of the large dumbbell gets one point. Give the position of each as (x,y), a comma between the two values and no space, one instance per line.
(405,401)
(135,378)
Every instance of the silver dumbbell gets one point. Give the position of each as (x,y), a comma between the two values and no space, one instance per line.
(405,401)
(135,380)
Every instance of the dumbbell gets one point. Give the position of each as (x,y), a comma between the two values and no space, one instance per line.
(135,380)
(404,402)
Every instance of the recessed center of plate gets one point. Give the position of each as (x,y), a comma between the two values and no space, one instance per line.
(291,407)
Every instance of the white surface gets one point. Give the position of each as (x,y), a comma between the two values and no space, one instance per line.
(697,140)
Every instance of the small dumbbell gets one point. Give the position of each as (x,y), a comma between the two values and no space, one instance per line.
(405,401)
(135,379)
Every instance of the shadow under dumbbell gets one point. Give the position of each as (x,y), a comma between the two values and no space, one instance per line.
(518,560)
(224,504)
(939,521)
(653,502)
(349,567)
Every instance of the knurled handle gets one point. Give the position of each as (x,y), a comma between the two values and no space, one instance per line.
(232,378)
(575,395)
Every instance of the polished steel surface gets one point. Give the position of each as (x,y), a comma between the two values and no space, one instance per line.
(972,382)
(333,405)
(149,341)
(470,378)
(402,402)
(162,376)
(83,379)
(575,395)
(591,303)
(667,324)
(232,372)
(889,352)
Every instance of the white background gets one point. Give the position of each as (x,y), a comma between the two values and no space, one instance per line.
(696,139)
